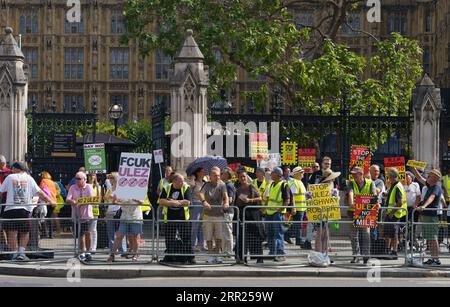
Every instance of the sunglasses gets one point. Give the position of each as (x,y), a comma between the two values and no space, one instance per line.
(79,178)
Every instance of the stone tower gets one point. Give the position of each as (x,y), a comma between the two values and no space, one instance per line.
(13,99)
(427,110)
(188,82)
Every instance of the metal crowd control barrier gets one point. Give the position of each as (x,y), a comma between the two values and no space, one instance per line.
(275,229)
(108,229)
(174,238)
(427,238)
(27,227)
(347,242)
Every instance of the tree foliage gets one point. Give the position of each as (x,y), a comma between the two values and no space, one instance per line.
(305,61)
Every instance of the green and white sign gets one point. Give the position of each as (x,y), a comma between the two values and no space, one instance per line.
(94,158)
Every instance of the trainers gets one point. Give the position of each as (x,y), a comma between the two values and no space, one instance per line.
(394,255)
(437,262)
(280,259)
(111,258)
(355,260)
(299,242)
(288,241)
(429,262)
(307,245)
(260,260)
(22,257)
(88,257)
(219,260)
(82,257)
(211,260)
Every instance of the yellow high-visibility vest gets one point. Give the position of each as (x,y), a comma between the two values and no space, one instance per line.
(364,191)
(275,198)
(161,187)
(446,186)
(262,188)
(392,203)
(186,209)
(299,197)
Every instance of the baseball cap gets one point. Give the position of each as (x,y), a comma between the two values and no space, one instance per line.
(278,171)
(357,170)
(20,165)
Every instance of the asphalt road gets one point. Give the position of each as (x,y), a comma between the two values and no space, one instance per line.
(21,281)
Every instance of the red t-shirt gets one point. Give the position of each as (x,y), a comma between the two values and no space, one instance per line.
(3,173)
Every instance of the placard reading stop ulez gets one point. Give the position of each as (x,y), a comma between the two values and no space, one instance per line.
(134,172)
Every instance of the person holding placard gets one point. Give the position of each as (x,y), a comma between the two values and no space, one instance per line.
(396,198)
(359,237)
(83,212)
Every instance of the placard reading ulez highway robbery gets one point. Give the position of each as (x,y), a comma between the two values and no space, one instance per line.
(322,204)
(134,172)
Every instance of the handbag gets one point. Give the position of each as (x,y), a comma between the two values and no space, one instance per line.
(118,214)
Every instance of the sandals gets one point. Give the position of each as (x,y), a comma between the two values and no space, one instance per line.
(111,258)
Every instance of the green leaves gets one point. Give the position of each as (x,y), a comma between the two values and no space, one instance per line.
(260,37)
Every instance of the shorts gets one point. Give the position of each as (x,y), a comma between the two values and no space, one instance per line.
(430,232)
(126,228)
(391,231)
(213,230)
(22,226)
(84,227)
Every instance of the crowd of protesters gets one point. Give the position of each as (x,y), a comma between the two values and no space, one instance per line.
(204,212)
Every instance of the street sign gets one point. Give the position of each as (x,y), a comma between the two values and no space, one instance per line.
(63,144)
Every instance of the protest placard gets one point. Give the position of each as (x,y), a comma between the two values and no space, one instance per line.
(259,147)
(399,164)
(94,158)
(307,158)
(417,164)
(134,172)
(366,211)
(322,205)
(289,153)
(360,156)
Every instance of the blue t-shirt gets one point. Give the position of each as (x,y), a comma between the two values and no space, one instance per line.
(437,192)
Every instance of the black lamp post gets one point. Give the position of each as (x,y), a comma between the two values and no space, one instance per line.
(115,113)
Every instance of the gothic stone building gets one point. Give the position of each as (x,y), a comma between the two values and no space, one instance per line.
(70,63)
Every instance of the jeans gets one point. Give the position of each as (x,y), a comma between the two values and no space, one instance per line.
(275,238)
(296,228)
(196,230)
(111,227)
(94,235)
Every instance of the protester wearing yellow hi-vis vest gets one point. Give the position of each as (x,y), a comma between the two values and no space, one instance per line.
(446,186)
(277,196)
(298,191)
(175,199)
(260,182)
(164,182)
(359,237)
(396,198)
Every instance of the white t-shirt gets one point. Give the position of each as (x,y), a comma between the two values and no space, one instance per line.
(20,189)
(131,213)
(412,191)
